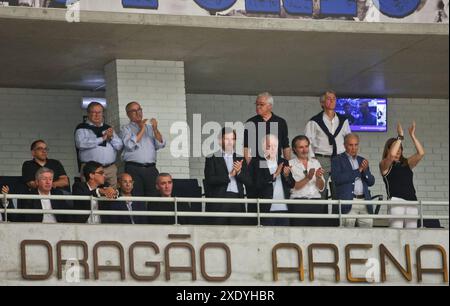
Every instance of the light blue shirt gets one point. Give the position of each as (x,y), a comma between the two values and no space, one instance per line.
(143,152)
(232,185)
(359,190)
(88,143)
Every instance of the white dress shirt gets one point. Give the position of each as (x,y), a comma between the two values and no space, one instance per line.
(310,190)
(47,205)
(232,185)
(130,209)
(278,191)
(319,140)
(359,189)
(94,204)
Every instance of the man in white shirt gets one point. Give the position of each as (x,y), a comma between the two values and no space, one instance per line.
(44,183)
(273,181)
(309,182)
(95,179)
(326,132)
(5,189)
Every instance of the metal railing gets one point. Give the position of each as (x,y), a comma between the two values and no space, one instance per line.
(258,202)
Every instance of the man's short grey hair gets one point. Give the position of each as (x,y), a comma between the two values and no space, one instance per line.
(351,135)
(162,175)
(42,171)
(268,96)
(323,97)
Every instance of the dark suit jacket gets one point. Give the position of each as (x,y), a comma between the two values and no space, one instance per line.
(168,206)
(264,185)
(36,204)
(217,176)
(122,206)
(344,176)
(80,188)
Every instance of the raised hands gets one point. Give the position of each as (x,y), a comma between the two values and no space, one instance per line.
(364,165)
(237,167)
(109,192)
(109,133)
(5,189)
(319,173)
(154,123)
(399,129)
(287,170)
(412,129)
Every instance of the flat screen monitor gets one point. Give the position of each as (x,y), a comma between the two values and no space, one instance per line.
(364,114)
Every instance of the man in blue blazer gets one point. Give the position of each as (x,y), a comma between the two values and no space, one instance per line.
(352,178)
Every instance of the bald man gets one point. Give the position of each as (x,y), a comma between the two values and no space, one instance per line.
(126,185)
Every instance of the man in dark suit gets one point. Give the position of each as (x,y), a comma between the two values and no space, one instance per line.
(164,187)
(226,174)
(352,178)
(44,184)
(125,190)
(273,181)
(94,186)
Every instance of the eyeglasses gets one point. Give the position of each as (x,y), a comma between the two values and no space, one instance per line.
(42,149)
(134,111)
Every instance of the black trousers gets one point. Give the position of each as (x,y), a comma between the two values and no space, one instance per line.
(308,209)
(225,207)
(144,179)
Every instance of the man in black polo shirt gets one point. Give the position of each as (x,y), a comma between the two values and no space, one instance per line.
(39,151)
(257,128)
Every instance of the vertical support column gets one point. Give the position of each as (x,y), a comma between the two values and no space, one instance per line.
(160,89)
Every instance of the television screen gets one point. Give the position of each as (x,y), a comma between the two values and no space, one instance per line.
(364,114)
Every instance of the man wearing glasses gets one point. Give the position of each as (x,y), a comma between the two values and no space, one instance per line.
(93,185)
(97,141)
(141,141)
(39,151)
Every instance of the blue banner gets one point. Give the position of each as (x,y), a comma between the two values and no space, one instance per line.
(215,5)
(338,7)
(263,6)
(298,7)
(141,4)
(397,8)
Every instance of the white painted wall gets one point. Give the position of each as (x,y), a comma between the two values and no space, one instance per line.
(30,114)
